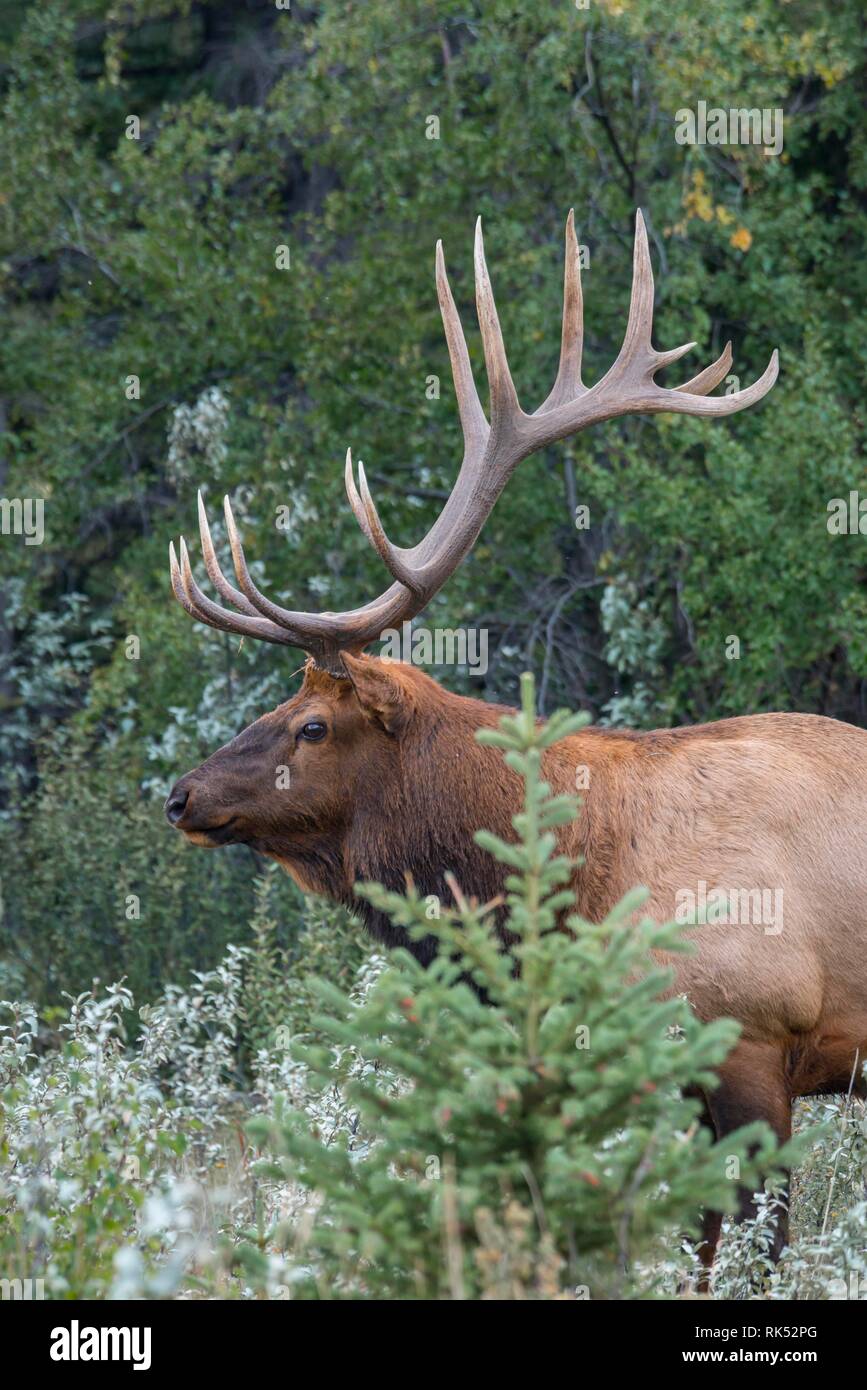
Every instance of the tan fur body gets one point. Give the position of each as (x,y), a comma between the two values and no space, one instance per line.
(775,801)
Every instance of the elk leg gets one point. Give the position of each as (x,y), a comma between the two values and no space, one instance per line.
(712,1220)
(706,1250)
(752,1087)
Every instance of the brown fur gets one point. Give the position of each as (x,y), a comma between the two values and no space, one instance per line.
(774,801)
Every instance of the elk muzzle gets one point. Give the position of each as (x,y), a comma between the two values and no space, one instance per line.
(187,809)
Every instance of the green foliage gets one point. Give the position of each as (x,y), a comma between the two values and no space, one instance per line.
(537,1136)
(121,1174)
(154,257)
(78,1146)
(279,979)
(82,901)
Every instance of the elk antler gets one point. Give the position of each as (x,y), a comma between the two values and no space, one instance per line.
(491,453)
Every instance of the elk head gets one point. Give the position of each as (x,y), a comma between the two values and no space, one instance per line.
(352,801)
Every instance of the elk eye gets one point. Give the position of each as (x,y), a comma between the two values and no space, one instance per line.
(314,731)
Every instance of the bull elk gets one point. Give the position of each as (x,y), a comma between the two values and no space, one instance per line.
(386,776)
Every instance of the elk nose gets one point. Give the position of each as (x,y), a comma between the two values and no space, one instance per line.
(176,805)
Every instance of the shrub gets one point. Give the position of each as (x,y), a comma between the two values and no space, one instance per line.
(96,887)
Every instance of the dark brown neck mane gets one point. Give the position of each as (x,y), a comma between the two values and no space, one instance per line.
(421,821)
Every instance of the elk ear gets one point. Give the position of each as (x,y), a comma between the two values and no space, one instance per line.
(383,697)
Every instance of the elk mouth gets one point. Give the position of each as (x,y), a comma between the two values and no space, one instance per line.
(212,836)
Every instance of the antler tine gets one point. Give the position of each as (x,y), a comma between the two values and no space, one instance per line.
(215,574)
(199,606)
(475,427)
(368,519)
(300,624)
(683,401)
(177,582)
(711,376)
(355,501)
(473,422)
(504,398)
(421,582)
(390,554)
(640,321)
(637,349)
(568,383)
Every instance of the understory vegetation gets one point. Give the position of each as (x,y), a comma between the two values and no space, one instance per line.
(128,1170)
